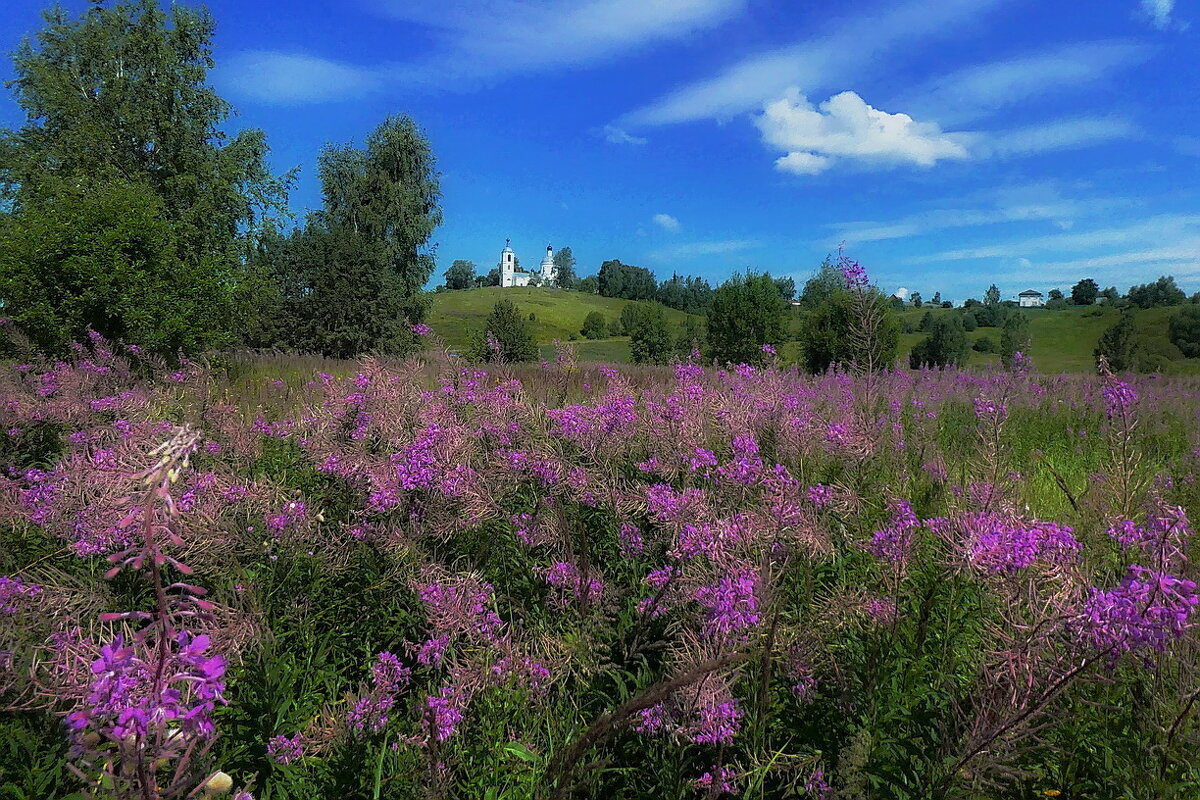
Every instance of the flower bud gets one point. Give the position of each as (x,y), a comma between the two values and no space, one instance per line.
(219,783)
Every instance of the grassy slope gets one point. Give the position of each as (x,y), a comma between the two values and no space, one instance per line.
(559,315)
(1063,341)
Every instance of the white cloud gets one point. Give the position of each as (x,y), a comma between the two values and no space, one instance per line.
(666,222)
(902,293)
(491,37)
(619,136)
(829,61)
(1063,134)
(1163,228)
(980,91)
(289,78)
(1032,203)
(480,39)
(681,252)
(845,127)
(1158,12)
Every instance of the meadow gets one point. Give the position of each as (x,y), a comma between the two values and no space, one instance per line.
(295,579)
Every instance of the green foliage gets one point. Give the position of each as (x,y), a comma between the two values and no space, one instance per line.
(1119,344)
(827,282)
(916,299)
(746,312)
(969,321)
(984,344)
(946,346)
(564,263)
(685,293)
(506,337)
(828,337)
(594,326)
(1015,338)
(102,255)
(1163,292)
(1184,330)
(626,282)
(461,275)
(122,149)
(926,321)
(1085,292)
(650,340)
(590,285)
(350,281)
(992,296)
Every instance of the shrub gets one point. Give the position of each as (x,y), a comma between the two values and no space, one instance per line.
(969,321)
(946,345)
(1015,338)
(746,313)
(1183,329)
(1119,344)
(984,344)
(506,337)
(594,326)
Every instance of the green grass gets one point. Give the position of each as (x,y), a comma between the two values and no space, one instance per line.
(558,313)
(1064,341)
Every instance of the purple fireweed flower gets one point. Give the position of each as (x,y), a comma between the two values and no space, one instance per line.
(15,593)
(817,786)
(565,576)
(629,540)
(718,723)
(421,329)
(718,781)
(285,750)
(854,273)
(655,719)
(990,409)
(1146,611)
(894,543)
(1119,398)
(998,545)
(730,606)
(444,712)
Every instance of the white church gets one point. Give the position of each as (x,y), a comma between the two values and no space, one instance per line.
(512,275)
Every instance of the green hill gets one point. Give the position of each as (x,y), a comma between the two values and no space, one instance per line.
(558,314)
(1064,340)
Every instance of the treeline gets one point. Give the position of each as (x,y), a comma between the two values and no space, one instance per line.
(126,210)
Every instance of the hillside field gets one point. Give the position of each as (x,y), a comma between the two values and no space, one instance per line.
(558,314)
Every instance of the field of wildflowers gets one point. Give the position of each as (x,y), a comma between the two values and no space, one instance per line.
(430,579)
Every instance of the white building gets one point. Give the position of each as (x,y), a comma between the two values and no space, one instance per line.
(1031,298)
(512,275)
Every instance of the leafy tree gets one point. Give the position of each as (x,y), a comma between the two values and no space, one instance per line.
(1056,300)
(827,282)
(493,277)
(969,322)
(1119,344)
(746,312)
(121,127)
(937,299)
(611,280)
(594,326)
(589,285)
(360,262)
(947,304)
(690,294)
(1110,294)
(992,296)
(650,340)
(1085,292)
(506,337)
(946,346)
(787,288)
(926,322)
(1183,329)
(461,275)
(916,299)
(691,337)
(564,264)
(1014,338)
(1163,292)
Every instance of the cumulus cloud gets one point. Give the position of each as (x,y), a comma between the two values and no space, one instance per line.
(846,127)
(666,222)
(620,136)
(278,78)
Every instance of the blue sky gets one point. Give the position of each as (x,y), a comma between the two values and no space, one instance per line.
(949,143)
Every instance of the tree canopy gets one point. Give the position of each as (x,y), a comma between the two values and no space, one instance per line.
(746,313)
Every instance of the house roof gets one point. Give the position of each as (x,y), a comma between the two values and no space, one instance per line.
(1030,293)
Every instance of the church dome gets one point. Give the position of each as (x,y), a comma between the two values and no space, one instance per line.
(548,261)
